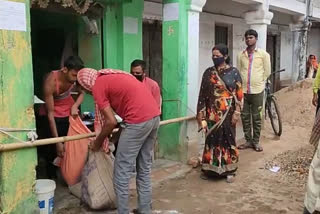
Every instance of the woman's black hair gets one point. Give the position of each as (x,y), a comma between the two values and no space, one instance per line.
(223,50)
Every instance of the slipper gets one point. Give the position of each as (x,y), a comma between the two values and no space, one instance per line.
(246,145)
(257,147)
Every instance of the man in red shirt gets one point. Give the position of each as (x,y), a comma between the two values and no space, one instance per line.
(117,91)
(138,70)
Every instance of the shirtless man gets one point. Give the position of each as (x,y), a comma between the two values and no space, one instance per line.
(59,104)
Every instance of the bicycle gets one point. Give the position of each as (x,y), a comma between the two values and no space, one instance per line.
(271,107)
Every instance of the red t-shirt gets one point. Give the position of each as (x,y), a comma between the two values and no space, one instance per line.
(127,96)
(154,89)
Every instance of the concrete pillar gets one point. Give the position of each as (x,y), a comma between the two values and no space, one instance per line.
(193,138)
(259,21)
(193,54)
(122,26)
(300,36)
(180,72)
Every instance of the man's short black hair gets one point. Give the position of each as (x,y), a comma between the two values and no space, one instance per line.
(138,62)
(73,63)
(251,32)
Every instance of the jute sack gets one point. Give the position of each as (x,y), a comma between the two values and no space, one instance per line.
(97,181)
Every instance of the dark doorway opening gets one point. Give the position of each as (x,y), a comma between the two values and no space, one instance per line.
(152,49)
(273,48)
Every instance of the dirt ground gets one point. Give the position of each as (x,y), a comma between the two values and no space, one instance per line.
(256,190)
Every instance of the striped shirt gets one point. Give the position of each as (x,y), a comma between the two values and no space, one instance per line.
(255,68)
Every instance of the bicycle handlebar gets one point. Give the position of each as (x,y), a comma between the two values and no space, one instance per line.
(278,71)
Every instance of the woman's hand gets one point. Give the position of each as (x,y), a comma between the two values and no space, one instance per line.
(204,126)
(235,118)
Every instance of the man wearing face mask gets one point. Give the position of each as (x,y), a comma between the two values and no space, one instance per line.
(138,70)
(255,67)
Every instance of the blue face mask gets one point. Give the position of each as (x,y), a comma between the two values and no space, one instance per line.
(218,61)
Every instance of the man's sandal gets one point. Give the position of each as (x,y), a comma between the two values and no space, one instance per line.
(257,147)
(246,145)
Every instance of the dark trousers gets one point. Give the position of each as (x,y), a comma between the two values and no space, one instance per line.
(47,153)
(251,116)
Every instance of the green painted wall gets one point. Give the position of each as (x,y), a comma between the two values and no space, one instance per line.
(90,51)
(121,48)
(113,37)
(174,84)
(17,168)
(132,43)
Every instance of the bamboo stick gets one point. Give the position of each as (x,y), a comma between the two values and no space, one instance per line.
(176,120)
(13,146)
(28,144)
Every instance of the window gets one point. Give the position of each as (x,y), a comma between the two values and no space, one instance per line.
(221,35)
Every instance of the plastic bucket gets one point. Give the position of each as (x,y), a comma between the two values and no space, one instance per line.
(45,192)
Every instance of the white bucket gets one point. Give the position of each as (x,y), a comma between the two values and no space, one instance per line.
(45,192)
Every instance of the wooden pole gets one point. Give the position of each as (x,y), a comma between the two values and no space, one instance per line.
(28,144)
(176,120)
(13,146)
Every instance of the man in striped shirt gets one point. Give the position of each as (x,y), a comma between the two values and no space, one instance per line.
(255,68)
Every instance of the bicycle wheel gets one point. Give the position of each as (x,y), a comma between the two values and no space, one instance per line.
(274,115)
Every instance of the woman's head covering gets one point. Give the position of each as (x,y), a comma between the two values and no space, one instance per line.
(87,77)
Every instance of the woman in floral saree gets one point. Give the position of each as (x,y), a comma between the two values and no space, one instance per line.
(219,106)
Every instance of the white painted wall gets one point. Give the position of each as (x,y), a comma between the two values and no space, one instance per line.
(316,3)
(281,18)
(286,54)
(313,42)
(288,6)
(152,11)
(226,7)
(207,40)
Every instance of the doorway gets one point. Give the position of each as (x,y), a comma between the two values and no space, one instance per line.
(273,48)
(53,39)
(223,35)
(152,49)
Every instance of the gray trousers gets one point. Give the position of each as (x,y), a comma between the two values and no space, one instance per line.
(135,146)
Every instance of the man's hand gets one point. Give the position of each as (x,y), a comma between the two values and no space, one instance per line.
(315,100)
(60,149)
(94,146)
(74,111)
